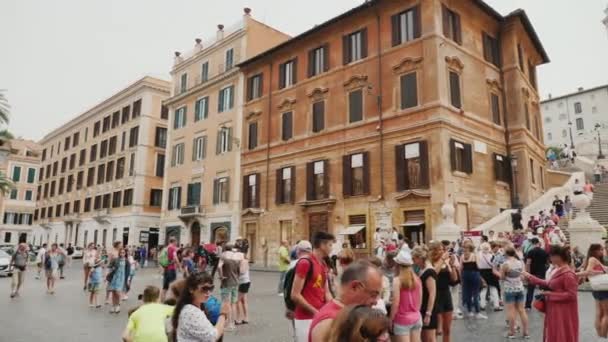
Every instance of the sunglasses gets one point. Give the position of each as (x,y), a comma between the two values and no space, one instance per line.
(206,288)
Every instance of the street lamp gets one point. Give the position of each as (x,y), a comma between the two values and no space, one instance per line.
(571,138)
(599,141)
(514,181)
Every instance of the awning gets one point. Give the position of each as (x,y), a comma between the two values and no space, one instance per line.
(351,230)
(412,224)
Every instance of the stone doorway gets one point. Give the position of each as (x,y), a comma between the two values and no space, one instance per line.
(251,233)
(317,222)
(195,231)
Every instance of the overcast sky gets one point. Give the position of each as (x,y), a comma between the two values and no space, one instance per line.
(58,58)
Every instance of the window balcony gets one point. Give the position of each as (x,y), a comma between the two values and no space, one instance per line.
(102,215)
(191,212)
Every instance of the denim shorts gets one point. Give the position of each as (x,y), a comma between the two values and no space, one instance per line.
(229,294)
(600,295)
(402,330)
(514,297)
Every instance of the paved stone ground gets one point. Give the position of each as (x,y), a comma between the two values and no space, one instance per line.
(65,316)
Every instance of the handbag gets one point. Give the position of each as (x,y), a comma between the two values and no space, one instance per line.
(540,303)
(599,282)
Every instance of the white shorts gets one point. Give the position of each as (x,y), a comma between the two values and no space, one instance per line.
(302,327)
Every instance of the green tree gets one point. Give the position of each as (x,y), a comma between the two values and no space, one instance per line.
(6,185)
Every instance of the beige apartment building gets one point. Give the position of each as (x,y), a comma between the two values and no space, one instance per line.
(19,160)
(202,183)
(101,173)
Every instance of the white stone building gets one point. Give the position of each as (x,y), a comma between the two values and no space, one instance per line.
(577,118)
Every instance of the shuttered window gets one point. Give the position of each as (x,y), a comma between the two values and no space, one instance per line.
(451,25)
(126,112)
(317,180)
(221,190)
(93,155)
(288,72)
(251,191)
(318,116)
(201,109)
(254,87)
(461,156)
(226,99)
(120,168)
(160,137)
(285,185)
(409,90)
(183,83)
(491,49)
(194,194)
(495,102)
(136,109)
(101,174)
(205,72)
(199,148)
(355,174)
(406,26)
(177,155)
(224,140)
(355,106)
(134,136)
(455,96)
(502,168)
(116,199)
(354,46)
(156,197)
(160,165)
(175,198)
(253,135)
(412,166)
(287,126)
(318,60)
(179,120)
(229,59)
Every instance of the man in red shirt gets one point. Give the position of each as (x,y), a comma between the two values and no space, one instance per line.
(311,291)
(170,272)
(361,284)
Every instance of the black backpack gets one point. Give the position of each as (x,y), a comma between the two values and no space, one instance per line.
(288,284)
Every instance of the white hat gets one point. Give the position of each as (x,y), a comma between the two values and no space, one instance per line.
(557,228)
(404,258)
(539,231)
(304,246)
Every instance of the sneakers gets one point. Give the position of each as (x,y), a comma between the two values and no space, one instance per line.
(13,295)
(458,315)
(481,316)
(280,295)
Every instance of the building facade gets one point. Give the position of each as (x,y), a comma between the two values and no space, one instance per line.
(100,178)
(575,119)
(374,119)
(202,188)
(17,207)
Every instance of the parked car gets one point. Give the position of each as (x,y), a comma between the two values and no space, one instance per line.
(9,249)
(78,253)
(5,261)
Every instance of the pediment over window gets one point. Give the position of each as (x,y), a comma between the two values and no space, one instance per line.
(454,63)
(535,103)
(356,81)
(414,193)
(287,104)
(251,212)
(493,84)
(253,114)
(407,64)
(318,93)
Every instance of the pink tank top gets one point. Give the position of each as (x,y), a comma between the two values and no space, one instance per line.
(409,305)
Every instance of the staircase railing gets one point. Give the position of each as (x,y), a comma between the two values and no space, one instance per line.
(502,222)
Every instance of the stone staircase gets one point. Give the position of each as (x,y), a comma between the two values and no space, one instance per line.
(598,209)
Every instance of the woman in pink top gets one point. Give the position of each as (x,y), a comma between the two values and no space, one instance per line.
(407,297)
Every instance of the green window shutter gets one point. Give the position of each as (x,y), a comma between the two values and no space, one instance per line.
(16,173)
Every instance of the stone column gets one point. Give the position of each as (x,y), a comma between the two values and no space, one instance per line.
(447,230)
(583,229)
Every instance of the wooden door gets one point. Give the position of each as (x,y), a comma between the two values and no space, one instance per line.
(317,222)
(251,229)
(196,234)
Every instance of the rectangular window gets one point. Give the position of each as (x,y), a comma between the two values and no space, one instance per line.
(502,168)
(123,141)
(58,210)
(317,180)
(101,173)
(160,137)
(132,165)
(87,205)
(31,175)
(7,237)
(126,112)
(29,194)
(451,25)
(287,126)
(76,206)
(495,102)
(110,171)
(160,165)
(136,109)
(532,176)
(580,124)
(461,157)
(61,186)
(66,144)
(355,174)
(406,26)
(578,108)
(355,106)
(96,127)
(115,119)
(221,190)
(120,168)
(318,116)
(229,59)
(76,139)
(106,124)
(93,154)
(70,183)
(251,189)
(409,90)
(224,143)
(175,198)
(354,46)
(14,193)
(201,109)
(183,83)
(177,155)
(520,58)
(106,199)
(97,202)
(254,87)
(156,197)
(205,72)
(134,136)
(16,174)
(79,180)
(226,99)
(64,164)
(194,194)
(127,197)
(41,174)
(455,96)
(491,49)
(318,60)
(285,185)
(532,73)
(164,112)
(103,149)
(83,157)
(116,199)
(288,72)
(253,135)
(66,208)
(112,145)
(55,168)
(199,148)
(91,177)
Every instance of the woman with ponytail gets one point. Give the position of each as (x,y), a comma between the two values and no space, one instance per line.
(407,297)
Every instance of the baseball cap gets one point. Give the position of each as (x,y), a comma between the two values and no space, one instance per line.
(304,246)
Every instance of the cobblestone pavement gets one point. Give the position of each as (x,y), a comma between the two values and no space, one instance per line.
(65,316)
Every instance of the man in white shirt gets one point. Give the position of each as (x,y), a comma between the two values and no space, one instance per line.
(40,259)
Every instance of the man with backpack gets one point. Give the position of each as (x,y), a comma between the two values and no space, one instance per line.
(310,287)
(168,261)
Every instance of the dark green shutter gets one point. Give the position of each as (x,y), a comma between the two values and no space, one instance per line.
(366,173)
(417,22)
(278,194)
(346,49)
(364,43)
(310,185)
(396,29)
(346,176)
(326,57)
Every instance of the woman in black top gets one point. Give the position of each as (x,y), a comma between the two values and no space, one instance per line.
(447,275)
(428,278)
(471,282)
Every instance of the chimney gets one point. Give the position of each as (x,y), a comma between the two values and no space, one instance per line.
(199,45)
(220,32)
(247,10)
(581,88)
(178,57)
